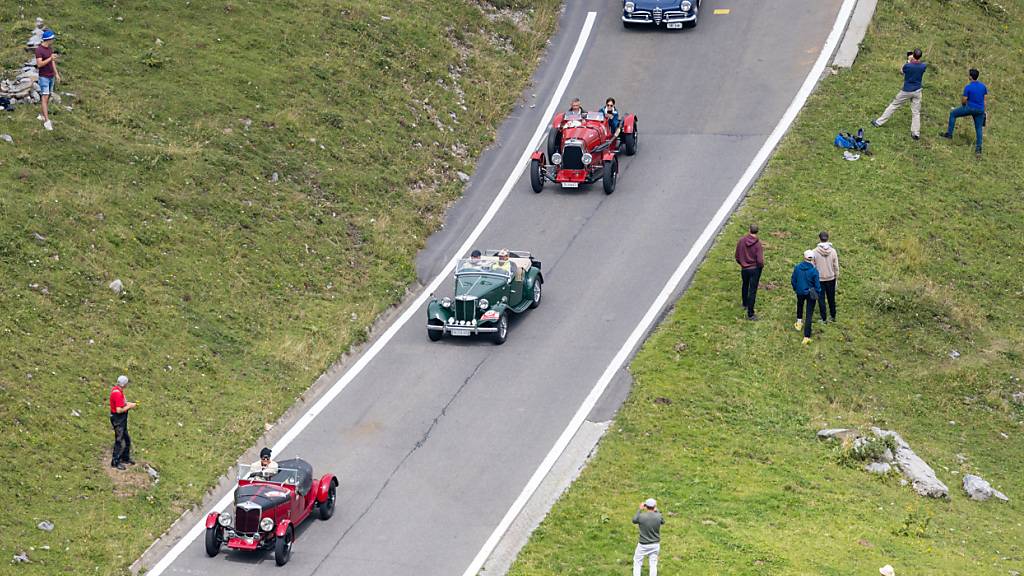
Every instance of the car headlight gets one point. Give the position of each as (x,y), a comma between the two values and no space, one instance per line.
(224,520)
(484,303)
(446,302)
(267,524)
(629,7)
(587,159)
(686,5)
(556,158)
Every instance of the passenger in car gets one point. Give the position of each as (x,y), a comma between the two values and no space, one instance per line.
(612,114)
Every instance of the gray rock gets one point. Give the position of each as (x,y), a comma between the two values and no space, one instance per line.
(153,473)
(954,354)
(887,457)
(274,177)
(38,237)
(76,413)
(45,526)
(463,176)
(117,286)
(7,138)
(880,468)
(1018,397)
(20,558)
(977,488)
(836,433)
(920,474)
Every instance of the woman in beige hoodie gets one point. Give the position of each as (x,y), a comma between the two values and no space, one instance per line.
(826,260)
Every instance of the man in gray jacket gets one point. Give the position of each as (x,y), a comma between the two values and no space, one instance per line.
(826,260)
(649,522)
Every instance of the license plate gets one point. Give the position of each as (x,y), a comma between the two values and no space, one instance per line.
(461,331)
(570,184)
(674,25)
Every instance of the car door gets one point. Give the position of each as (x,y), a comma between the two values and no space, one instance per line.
(515,287)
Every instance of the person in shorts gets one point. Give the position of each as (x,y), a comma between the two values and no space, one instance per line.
(49,76)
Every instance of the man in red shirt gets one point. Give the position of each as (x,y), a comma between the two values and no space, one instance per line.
(750,257)
(119,420)
(46,62)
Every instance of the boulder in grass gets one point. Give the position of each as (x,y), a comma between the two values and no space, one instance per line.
(920,474)
(117,286)
(977,488)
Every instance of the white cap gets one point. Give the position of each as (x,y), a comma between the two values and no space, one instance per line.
(651,503)
(887,570)
(808,254)
(122,380)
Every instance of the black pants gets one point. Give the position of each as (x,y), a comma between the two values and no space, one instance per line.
(802,303)
(829,287)
(122,441)
(751,278)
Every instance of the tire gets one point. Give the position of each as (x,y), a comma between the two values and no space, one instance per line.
(502,334)
(628,25)
(629,141)
(214,537)
(537,293)
(611,173)
(283,547)
(434,335)
(536,180)
(554,142)
(326,507)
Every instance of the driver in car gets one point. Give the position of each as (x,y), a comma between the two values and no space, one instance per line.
(474,260)
(264,467)
(575,107)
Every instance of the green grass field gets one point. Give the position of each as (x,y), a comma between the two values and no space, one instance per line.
(240,290)
(720,426)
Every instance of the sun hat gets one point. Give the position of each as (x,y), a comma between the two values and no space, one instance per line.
(48,35)
(651,503)
(808,254)
(122,380)
(887,570)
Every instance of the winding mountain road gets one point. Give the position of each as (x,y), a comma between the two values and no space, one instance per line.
(434,442)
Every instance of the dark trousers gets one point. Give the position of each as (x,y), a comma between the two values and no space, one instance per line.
(829,287)
(122,441)
(751,278)
(803,302)
(979,121)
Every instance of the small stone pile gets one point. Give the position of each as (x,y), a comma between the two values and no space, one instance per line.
(24,88)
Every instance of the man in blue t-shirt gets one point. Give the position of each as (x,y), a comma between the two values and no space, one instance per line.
(972,104)
(913,73)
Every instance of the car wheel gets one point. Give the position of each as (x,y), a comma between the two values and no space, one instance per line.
(434,335)
(502,333)
(283,547)
(214,538)
(554,141)
(327,506)
(627,25)
(536,293)
(629,141)
(611,172)
(536,180)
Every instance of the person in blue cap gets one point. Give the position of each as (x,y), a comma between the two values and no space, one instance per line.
(46,62)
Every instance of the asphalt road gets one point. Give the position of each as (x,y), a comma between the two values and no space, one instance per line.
(434,441)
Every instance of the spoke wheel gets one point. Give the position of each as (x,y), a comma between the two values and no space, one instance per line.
(283,547)
(502,333)
(536,179)
(536,293)
(327,506)
(214,538)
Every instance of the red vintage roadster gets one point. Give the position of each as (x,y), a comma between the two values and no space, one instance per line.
(267,510)
(581,149)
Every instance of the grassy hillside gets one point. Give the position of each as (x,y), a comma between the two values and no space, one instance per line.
(259,175)
(720,426)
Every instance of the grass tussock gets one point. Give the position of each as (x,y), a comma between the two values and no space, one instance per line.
(259,175)
(930,249)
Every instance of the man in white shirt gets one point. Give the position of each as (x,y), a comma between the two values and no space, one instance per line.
(264,467)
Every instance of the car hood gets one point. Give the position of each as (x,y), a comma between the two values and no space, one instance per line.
(478,285)
(263,495)
(649,4)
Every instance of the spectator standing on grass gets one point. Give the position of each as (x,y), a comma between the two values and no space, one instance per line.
(826,261)
(119,420)
(46,62)
(913,73)
(972,103)
(648,521)
(807,286)
(750,257)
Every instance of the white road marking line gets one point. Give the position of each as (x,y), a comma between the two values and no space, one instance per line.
(388,334)
(673,282)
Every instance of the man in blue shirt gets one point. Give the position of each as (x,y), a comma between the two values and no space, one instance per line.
(913,72)
(972,104)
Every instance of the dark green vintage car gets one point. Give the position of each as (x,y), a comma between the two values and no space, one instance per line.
(488,289)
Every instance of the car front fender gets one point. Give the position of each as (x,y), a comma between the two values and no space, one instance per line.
(437,312)
(211,519)
(324,487)
(556,123)
(538,155)
(282,528)
(629,124)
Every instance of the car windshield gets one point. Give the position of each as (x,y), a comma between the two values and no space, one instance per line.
(288,476)
(484,265)
(572,116)
(599,116)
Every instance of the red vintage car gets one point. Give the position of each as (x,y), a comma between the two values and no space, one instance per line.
(267,510)
(581,149)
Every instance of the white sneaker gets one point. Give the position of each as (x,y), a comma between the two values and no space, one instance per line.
(40,118)
(48,125)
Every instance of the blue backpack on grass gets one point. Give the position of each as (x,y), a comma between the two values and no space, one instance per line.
(847,141)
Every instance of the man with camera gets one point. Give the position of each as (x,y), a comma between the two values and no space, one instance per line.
(913,72)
